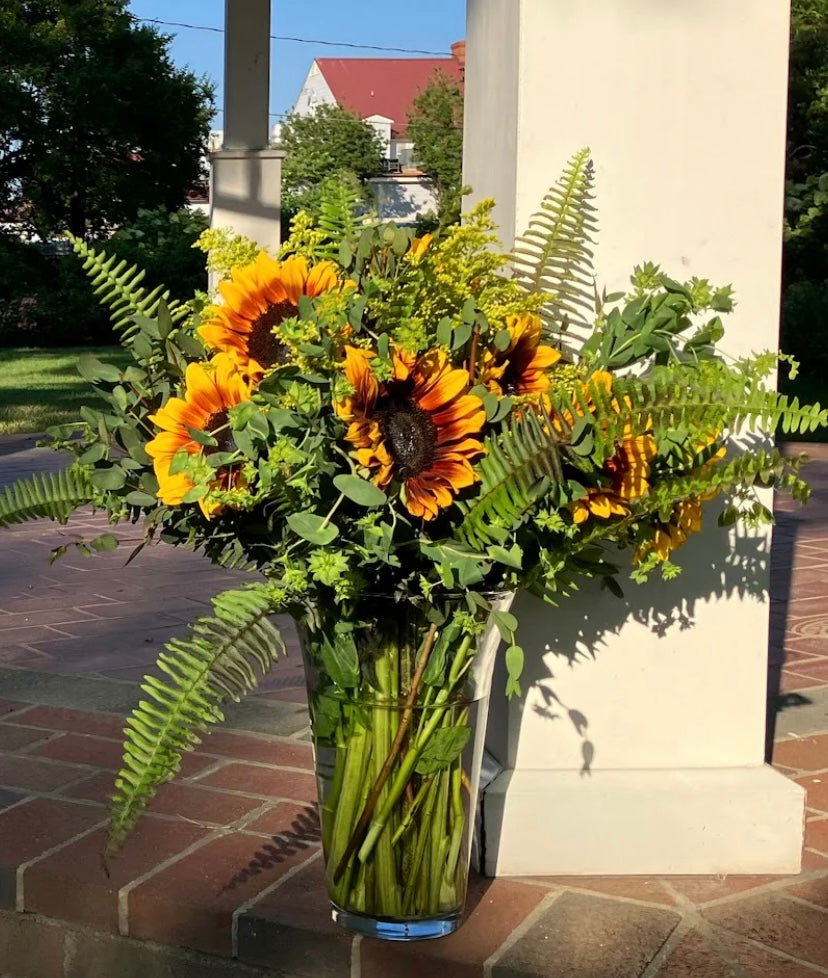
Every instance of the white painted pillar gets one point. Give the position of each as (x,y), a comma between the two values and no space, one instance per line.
(246,177)
(638,746)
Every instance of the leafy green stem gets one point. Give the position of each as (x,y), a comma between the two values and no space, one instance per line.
(393,754)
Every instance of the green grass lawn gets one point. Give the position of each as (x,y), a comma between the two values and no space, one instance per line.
(42,387)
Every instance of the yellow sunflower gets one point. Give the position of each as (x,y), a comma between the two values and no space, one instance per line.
(686,518)
(420,427)
(522,367)
(419,246)
(210,390)
(628,474)
(257,298)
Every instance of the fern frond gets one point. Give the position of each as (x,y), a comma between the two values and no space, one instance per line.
(553,254)
(119,287)
(708,397)
(521,464)
(52,495)
(339,208)
(219,660)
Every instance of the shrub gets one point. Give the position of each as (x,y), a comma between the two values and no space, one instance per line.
(46,298)
(162,243)
(805,325)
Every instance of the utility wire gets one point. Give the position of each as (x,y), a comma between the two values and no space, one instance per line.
(298,40)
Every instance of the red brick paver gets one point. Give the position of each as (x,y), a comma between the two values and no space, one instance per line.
(192,901)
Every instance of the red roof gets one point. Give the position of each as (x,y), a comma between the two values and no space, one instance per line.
(383,86)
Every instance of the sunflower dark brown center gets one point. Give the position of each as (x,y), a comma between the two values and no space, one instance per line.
(513,376)
(218,425)
(263,345)
(407,430)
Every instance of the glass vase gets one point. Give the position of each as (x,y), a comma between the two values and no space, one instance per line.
(398,696)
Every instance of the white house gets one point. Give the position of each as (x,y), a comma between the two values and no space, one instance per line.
(381,91)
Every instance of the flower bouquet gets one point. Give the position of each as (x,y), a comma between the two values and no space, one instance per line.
(394,434)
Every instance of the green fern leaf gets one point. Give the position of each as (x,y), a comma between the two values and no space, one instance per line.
(709,397)
(521,464)
(220,659)
(119,287)
(339,208)
(51,495)
(553,254)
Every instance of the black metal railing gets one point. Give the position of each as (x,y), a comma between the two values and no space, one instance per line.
(390,166)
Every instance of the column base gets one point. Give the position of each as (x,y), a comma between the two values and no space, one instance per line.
(246,193)
(636,822)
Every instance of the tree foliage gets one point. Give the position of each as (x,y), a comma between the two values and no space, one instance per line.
(95,120)
(808,90)
(435,124)
(806,192)
(329,142)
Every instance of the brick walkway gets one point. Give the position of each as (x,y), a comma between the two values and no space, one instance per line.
(228,864)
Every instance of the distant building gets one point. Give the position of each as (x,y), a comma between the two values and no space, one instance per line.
(381,91)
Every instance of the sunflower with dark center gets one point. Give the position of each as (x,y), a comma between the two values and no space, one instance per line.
(420,427)
(258,298)
(522,368)
(211,389)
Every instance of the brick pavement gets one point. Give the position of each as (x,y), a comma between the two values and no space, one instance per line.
(224,877)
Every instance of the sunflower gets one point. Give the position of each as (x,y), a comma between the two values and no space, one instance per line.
(211,389)
(420,426)
(419,246)
(257,298)
(627,474)
(522,367)
(686,518)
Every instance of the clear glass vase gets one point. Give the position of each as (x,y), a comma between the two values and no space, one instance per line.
(398,695)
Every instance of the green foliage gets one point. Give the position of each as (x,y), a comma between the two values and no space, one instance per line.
(522,463)
(163,245)
(339,206)
(54,496)
(435,125)
(804,334)
(553,257)
(45,298)
(328,143)
(220,660)
(808,90)
(653,322)
(95,120)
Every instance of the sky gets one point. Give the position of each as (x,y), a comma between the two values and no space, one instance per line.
(431,25)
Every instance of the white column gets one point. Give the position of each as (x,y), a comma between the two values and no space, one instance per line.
(246,177)
(638,746)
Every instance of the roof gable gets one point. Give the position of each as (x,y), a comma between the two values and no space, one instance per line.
(383,86)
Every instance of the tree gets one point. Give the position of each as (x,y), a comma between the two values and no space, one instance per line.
(96,122)
(806,202)
(329,141)
(808,90)
(435,125)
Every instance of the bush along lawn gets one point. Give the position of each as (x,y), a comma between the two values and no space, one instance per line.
(39,388)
